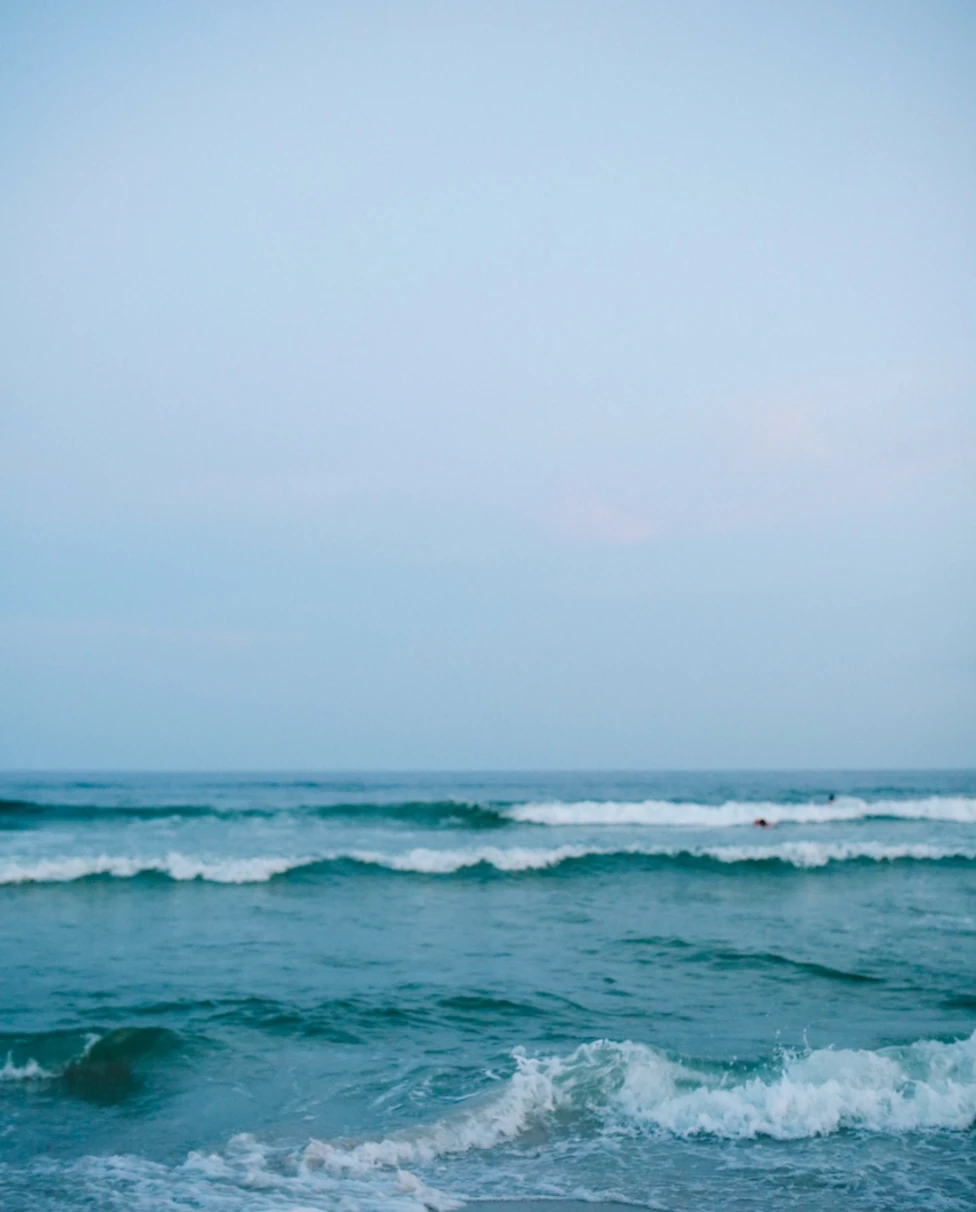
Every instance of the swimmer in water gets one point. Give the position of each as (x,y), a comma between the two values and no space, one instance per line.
(762,822)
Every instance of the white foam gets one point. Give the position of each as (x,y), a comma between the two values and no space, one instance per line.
(528,1096)
(176,866)
(430,861)
(518,858)
(246,1177)
(32,1071)
(819,854)
(734,813)
(923,1087)
(29,1071)
(616,1088)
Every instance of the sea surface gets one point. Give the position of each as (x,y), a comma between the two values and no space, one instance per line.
(406,991)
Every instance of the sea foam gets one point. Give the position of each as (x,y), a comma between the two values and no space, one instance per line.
(519,858)
(175,866)
(734,813)
(630,1087)
(622,1090)
(247,1176)
(433,861)
(29,1071)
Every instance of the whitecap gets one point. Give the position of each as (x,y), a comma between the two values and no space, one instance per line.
(925,1086)
(735,813)
(442,862)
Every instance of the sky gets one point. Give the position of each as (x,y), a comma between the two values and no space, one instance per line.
(487,385)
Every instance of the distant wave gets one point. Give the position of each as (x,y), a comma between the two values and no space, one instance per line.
(434,862)
(923,1087)
(519,858)
(960,809)
(459,814)
(20,813)
(453,814)
(174,866)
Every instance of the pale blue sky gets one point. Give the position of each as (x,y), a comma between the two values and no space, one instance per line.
(488,385)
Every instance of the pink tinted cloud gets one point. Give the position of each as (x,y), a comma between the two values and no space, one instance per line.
(595,520)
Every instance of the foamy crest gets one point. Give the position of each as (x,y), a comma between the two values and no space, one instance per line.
(29,1071)
(733,813)
(518,858)
(430,861)
(926,1086)
(427,861)
(527,1097)
(176,866)
(615,1088)
(819,854)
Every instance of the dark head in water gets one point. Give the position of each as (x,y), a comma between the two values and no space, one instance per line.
(761,822)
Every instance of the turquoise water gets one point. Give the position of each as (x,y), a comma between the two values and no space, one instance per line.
(415,991)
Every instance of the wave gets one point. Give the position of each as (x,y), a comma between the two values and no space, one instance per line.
(174,866)
(734,957)
(462,814)
(435,862)
(357,1019)
(94,1065)
(15,814)
(18,814)
(628,1087)
(451,814)
(605,1091)
(735,813)
(516,859)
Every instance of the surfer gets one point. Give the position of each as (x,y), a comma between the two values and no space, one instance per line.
(762,822)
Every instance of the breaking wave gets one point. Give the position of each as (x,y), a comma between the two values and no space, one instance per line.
(462,814)
(959,809)
(519,858)
(423,861)
(438,862)
(617,1091)
(926,1086)
(174,866)
(99,1066)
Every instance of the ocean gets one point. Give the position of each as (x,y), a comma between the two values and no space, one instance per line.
(389,991)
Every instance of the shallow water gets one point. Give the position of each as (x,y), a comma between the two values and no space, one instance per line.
(406,991)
